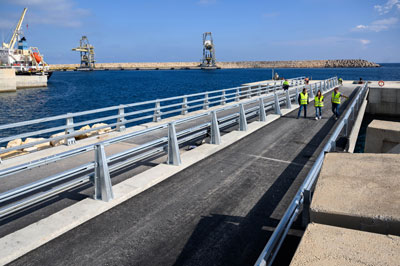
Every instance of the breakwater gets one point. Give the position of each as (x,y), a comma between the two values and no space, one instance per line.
(342,63)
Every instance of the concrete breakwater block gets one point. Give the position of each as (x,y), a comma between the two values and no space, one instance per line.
(359,191)
(330,245)
(382,136)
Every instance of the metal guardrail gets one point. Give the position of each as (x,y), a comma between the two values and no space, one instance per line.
(302,198)
(98,171)
(132,113)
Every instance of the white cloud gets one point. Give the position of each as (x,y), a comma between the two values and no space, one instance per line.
(377,25)
(365,42)
(62,13)
(386,8)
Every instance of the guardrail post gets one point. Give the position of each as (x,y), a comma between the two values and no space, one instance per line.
(102,181)
(237,95)
(305,217)
(261,111)
(174,157)
(276,105)
(70,130)
(121,119)
(184,106)
(297,96)
(333,146)
(206,102)
(311,92)
(215,133)
(259,90)
(249,92)
(346,127)
(157,112)
(242,119)
(223,98)
(288,101)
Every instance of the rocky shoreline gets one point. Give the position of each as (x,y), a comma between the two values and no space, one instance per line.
(342,63)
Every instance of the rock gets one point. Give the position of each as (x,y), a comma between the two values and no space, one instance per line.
(55,143)
(30,149)
(84,135)
(103,130)
(40,146)
(14,143)
(11,154)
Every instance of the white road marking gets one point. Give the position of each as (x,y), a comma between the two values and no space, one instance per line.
(275,160)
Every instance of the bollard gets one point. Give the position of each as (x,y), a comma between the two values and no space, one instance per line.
(121,119)
(174,157)
(184,106)
(297,96)
(102,181)
(215,133)
(206,102)
(242,119)
(276,105)
(288,101)
(157,112)
(69,130)
(223,98)
(261,111)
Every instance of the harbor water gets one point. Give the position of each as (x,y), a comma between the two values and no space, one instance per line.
(79,91)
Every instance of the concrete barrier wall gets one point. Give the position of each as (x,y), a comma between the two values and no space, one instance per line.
(7,80)
(31,81)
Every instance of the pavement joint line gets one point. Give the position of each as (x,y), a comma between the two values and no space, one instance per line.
(18,243)
(275,160)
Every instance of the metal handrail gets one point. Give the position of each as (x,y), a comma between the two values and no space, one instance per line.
(144,114)
(122,159)
(273,245)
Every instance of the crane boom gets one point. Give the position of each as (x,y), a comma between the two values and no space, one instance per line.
(16,31)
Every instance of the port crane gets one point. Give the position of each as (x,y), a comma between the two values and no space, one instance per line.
(87,53)
(208,59)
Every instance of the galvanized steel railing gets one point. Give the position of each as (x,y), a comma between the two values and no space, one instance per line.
(302,198)
(138,113)
(98,171)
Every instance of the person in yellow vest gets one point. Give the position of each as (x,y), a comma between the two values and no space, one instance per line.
(336,95)
(318,103)
(303,101)
(286,84)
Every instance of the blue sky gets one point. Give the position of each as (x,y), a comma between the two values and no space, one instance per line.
(166,30)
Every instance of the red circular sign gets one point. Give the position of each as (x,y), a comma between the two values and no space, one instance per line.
(381,83)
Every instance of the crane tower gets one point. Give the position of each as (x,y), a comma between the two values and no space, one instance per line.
(208,51)
(87,53)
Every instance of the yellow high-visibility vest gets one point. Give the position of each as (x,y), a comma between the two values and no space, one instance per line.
(336,97)
(303,98)
(318,102)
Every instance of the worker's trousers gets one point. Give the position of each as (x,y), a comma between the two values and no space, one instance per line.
(305,110)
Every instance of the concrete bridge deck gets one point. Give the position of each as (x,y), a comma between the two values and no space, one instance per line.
(220,211)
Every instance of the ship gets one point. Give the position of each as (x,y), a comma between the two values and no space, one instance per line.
(24,60)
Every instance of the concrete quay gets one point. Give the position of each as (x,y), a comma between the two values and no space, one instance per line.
(9,82)
(330,246)
(208,213)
